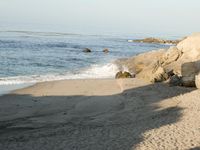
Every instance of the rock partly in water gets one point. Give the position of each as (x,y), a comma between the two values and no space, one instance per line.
(87,50)
(125,74)
(156,40)
(182,60)
(106,50)
(138,63)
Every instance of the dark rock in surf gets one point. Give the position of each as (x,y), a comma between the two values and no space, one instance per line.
(106,50)
(125,74)
(87,50)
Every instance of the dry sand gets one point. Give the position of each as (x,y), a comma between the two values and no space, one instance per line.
(100,115)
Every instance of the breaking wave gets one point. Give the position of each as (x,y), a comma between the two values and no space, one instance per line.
(94,71)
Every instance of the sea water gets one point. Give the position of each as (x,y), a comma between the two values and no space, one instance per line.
(30,57)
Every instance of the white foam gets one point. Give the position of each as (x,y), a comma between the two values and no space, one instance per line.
(94,71)
(6,89)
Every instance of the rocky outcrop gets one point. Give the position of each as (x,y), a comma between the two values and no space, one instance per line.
(178,64)
(156,40)
(154,75)
(137,63)
(190,43)
(171,55)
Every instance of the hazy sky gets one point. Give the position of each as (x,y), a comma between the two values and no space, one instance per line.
(102,16)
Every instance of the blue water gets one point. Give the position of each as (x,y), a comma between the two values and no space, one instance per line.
(37,56)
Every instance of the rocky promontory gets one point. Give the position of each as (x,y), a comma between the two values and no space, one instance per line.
(156,40)
(179,64)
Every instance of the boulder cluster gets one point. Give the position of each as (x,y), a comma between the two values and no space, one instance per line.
(179,65)
(87,50)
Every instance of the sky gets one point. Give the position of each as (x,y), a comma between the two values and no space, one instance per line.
(102,16)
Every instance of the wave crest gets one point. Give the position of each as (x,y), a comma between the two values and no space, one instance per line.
(93,72)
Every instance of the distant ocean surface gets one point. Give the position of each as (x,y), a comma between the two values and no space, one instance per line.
(30,57)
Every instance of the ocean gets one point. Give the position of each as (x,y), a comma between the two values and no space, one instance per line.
(30,57)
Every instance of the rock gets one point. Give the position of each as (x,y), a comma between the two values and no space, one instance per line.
(106,50)
(188,81)
(189,71)
(87,50)
(159,75)
(175,66)
(153,73)
(155,40)
(171,55)
(170,73)
(175,80)
(197,81)
(190,43)
(190,46)
(125,74)
(182,60)
(137,63)
(119,75)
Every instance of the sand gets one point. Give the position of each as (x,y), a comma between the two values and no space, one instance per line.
(103,114)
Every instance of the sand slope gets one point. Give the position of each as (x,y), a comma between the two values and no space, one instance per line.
(100,115)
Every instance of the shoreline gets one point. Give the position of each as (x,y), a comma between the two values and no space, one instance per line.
(79,85)
(8,89)
(12,88)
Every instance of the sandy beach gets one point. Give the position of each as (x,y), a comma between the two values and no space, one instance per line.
(101,114)
(99,75)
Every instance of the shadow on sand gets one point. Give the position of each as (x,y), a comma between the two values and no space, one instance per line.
(114,122)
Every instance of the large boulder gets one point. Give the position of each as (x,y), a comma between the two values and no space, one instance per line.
(159,75)
(189,71)
(190,47)
(153,73)
(187,63)
(190,43)
(137,63)
(171,55)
